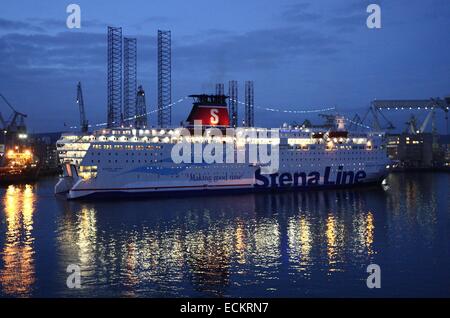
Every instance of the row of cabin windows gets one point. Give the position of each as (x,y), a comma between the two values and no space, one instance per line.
(132,161)
(331,153)
(332,159)
(127,147)
(313,147)
(150,161)
(138,154)
(326,165)
(284,160)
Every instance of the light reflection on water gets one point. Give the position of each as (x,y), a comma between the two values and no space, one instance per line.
(316,243)
(17,275)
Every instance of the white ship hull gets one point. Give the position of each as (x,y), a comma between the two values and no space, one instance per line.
(87,190)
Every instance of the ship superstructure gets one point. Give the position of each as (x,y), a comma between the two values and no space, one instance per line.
(126,161)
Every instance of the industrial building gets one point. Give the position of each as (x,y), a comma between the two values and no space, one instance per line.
(423,150)
(44,146)
(416,148)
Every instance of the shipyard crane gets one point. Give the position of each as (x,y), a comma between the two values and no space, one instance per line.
(2,122)
(425,122)
(83,121)
(355,123)
(16,124)
(411,125)
(431,104)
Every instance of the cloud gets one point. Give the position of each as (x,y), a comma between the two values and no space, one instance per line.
(300,13)
(60,24)
(44,56)
(156,19)
(45,25)
(8,25)
(260,48)
(219,50)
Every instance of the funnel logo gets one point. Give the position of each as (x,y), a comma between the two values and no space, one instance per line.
(214,120)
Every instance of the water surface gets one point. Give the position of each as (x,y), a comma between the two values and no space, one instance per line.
(304,244)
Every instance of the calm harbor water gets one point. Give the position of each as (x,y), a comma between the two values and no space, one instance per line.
(304,244)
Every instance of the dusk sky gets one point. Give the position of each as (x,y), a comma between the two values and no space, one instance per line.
(301,55)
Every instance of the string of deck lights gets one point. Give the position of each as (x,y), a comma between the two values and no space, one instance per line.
(240,102)
(356,123)
(306,112)
(290,111)
(412,108)
(137,116)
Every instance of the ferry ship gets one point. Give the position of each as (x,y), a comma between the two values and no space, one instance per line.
(140,162)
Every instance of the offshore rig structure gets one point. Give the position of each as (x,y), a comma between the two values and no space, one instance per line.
(126,100)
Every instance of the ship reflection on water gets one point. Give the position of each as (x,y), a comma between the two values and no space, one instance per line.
(316,243)
(214,244)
